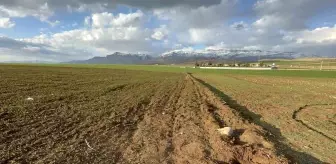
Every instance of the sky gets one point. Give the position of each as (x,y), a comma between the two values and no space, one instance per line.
(65,30)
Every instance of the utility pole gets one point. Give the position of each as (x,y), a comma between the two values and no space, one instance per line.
(259,58)
(321,65)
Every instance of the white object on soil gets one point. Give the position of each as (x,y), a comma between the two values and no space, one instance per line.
(226,131)
(29,99)
(87,143)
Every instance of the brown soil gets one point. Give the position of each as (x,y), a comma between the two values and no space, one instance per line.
(183,130)
(155,122)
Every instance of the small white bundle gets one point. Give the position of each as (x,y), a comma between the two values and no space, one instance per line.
(29,99)
(226,131)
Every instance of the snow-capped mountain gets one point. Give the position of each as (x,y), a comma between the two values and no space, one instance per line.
(118,58)
(189,55)
(227,53)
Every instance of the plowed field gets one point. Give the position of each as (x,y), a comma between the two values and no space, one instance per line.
(300,113)
(73,115)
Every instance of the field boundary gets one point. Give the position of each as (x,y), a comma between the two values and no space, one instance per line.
(238,68)
(295,117)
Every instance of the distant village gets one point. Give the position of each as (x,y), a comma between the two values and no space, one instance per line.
(234,64)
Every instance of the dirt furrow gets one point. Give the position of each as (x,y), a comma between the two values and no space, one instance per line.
(182,128)
(150,142)
(248,145)
(190,137)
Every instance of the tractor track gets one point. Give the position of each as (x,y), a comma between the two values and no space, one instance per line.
(295,117)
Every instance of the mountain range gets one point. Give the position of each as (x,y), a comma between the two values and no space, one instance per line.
(184,56)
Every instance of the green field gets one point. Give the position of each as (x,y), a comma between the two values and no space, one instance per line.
(296,107)
(182,69)
(312,64)
(271,102)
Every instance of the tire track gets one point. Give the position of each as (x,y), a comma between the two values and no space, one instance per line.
(190,137)
(295,117)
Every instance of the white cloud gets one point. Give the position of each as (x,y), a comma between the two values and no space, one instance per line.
(88,4)
(199,25)
(20,50)
(98,7)
(160,33)
(319,35)
(215,35)
(31,48)
(123,33)
(201,35)
(254,47)
(87,21)
(320,41)
(100,20)
(279,24)
(128,19)
(288,14)
(183,17)
(10,12)
(184,49)
(42,11)
(6,23)
(268,21)
(219,46)
(239,25)
(53,23)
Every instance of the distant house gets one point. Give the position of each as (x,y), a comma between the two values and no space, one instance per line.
(273,66)
(254,64)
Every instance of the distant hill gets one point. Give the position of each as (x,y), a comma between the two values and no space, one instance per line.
(118,58)
(180,56)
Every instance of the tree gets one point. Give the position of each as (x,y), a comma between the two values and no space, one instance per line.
(210,63)
(197,64)
(261,64)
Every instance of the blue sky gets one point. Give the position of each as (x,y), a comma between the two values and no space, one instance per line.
(327,17)
(75,29)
